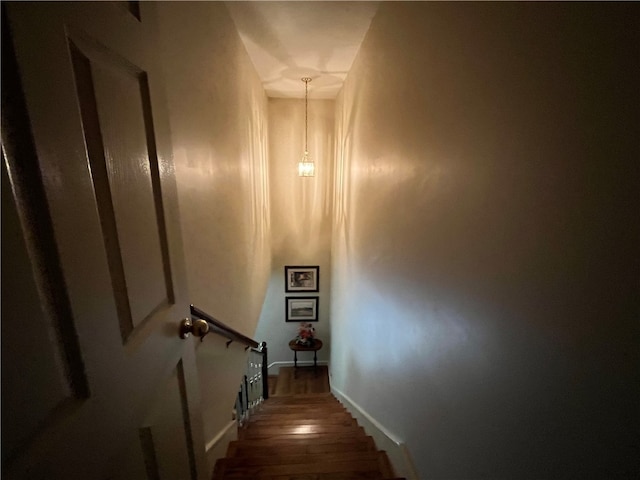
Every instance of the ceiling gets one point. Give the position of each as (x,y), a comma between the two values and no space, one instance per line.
(289,40)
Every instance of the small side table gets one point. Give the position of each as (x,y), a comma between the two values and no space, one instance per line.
(296,347)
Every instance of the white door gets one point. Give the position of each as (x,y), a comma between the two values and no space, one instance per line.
(96,382)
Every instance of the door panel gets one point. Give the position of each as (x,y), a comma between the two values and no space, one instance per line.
(164,428)
(107,307)
(41,374)
(121,149)
(153,454)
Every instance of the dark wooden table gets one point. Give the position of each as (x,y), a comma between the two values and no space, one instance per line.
(296,347)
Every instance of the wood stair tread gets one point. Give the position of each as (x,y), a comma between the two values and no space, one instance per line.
(290,440)
(269,406)
(305,397)
(269,431)
(346,466)
(278,413)
(310,436)
(316,476)
(341,421)
(297,459)
(295,411)
(240,449)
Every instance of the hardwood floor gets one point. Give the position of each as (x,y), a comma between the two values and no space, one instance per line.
(302,433)
(301,381)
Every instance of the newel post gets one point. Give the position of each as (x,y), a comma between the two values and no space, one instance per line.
(265,371)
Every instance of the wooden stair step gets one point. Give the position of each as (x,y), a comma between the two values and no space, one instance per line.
(300,397)
(317,403)
(340,419)
(303,436)
(300,445)
(268,405)
(313,476)
(308,437)
(296,417)
(367,466)
(326,393)
(306,398)
(266,411)
(293,459)
(302,400)
(257,431)
(298,412)
(326,476)
(315,409)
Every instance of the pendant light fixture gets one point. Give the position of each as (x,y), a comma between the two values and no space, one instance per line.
(306,167)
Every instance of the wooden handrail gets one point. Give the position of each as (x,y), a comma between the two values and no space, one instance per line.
(216,326)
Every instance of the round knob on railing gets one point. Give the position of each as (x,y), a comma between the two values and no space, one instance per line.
(198,327)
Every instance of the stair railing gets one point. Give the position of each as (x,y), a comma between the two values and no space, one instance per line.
(254,387)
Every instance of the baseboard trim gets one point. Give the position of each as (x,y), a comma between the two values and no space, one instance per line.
(364,413)
(216,448)
(396,449)
(221,434)
(303,363)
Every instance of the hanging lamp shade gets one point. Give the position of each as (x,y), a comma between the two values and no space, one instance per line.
(306,167)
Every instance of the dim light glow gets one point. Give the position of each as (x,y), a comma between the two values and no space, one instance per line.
(306,168)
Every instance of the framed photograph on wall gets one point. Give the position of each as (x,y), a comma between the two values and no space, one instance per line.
(301,309)
(302,279)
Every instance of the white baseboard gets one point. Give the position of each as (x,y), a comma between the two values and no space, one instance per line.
(217,447)
(301,363)
(396,449)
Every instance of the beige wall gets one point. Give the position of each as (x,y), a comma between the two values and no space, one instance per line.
(301,211)
(485,257)
(218,113)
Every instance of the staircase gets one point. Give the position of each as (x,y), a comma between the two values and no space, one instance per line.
(309,436)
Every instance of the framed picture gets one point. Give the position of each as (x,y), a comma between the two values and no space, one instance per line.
(301,309)
(302,279)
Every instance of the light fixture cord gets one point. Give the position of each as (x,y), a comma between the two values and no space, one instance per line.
(306,109)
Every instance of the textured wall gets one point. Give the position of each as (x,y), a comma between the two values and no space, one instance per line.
(218,115)
(301,211)
(485,294)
